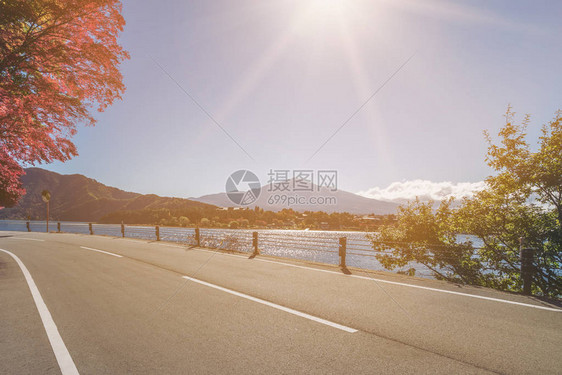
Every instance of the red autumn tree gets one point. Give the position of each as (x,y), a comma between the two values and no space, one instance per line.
(59,59)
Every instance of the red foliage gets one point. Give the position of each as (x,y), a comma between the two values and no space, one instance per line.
(58,60)
(10,173)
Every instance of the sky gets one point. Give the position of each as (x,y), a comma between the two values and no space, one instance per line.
(218,86)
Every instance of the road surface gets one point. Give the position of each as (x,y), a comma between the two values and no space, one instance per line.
(101,305)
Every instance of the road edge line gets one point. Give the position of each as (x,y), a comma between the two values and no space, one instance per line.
(66,364)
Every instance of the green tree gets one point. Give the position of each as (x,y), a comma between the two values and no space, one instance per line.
(184,221)
(522,201)
(173,221)
(427,237)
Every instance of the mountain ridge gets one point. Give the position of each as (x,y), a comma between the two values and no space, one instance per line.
(344,201)
(76,197)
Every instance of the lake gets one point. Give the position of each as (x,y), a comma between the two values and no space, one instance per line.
(316,246)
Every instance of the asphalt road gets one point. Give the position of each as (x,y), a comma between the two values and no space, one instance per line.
(122,306)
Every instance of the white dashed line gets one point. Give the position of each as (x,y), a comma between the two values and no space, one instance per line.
(274,305)
(101,251)
(396,283)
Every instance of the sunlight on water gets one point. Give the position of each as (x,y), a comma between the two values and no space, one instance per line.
(314,246)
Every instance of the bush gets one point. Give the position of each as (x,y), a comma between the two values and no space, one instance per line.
(184,221)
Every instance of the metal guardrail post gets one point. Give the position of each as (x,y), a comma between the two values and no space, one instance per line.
(28,226)
(527,257)
(58,227)
(255,243)
(122,230)
(342,251)
(91,228)
(197,237)
(157,233)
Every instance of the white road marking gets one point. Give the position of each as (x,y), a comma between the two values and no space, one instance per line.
(271,304)
(138,240)
(101,251)
(460,293)
(354,276)
(177,246)
(397,283)
(66,364)
(221,253)
(303,267)
(24,238)
(417,286)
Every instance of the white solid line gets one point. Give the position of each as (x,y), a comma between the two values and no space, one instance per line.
(303,267)
(271,304)
(176,246)
(221,253)
(397,283)
(66,364)
(101,251)
(137,240)
(418,286)
(461,294)
(23,238)
(382,281)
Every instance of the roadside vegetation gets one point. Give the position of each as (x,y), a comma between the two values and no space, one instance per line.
(234,218)
(59,61)
(521,207)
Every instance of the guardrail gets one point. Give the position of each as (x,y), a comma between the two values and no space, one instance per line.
(339,248)
(325,247)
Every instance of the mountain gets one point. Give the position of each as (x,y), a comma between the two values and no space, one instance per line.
(343,201)
(79,198)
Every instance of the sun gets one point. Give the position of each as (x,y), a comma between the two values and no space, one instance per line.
(323,15)
(327,8)
(329,5)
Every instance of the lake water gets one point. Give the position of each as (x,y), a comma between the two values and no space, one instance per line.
(316,246)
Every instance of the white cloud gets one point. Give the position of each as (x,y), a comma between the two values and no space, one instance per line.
(425,190)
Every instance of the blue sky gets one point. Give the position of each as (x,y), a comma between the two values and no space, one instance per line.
(281,76)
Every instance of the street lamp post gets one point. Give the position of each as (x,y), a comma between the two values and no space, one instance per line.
(46,196)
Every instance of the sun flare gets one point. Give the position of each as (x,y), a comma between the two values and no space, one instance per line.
(324,10)
(329,6)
